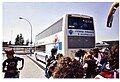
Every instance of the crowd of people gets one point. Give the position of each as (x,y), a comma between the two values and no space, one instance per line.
(95,63)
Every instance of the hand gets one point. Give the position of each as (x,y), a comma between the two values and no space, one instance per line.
(4,71)
(20,68)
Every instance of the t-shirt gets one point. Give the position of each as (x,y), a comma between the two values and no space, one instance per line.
(12,63)
(50,60)
(91,65)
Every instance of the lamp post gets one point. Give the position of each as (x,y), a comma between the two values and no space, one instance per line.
(31,32)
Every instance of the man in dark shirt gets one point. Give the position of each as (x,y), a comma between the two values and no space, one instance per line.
(49,63)
(10,65)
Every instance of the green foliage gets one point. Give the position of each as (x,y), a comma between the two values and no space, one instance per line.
(19,40)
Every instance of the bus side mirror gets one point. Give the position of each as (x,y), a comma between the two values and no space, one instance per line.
(111,13)
(109,21)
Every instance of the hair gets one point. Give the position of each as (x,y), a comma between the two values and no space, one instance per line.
(80,53)
(59,56)
(96,50)
(114,56)
(87,56)
(53,51)
(10,52)
(68,68)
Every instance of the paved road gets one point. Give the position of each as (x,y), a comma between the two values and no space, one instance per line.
(30,70)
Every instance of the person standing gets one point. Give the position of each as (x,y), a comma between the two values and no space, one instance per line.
(10,65)
(90,66)
(49,63)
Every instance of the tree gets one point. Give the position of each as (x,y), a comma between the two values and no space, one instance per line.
(27,42)
(9,42)
(19,40)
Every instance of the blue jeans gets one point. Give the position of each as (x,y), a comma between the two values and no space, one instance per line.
(47,73)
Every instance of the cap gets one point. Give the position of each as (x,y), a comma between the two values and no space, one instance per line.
(10,52)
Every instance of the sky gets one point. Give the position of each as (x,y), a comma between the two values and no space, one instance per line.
(43,14)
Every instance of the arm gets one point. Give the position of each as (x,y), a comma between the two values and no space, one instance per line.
(22,63)
(4,65)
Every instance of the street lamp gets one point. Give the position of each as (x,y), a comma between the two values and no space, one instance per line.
(31,32)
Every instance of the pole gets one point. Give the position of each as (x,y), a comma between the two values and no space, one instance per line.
(31,34)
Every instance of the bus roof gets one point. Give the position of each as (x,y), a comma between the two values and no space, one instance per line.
(79,15)
(18,46)
(76,15)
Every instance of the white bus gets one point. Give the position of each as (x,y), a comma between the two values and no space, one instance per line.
(69,34)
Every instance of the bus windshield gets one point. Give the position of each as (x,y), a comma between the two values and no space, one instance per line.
(80,23)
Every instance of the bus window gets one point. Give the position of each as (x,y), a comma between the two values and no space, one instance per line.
(40,48)
(80,23)
(81,32)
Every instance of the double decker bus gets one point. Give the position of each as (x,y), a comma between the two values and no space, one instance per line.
(69,34)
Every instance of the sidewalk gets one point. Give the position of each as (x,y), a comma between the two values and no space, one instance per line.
(31,70)
(34,58)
